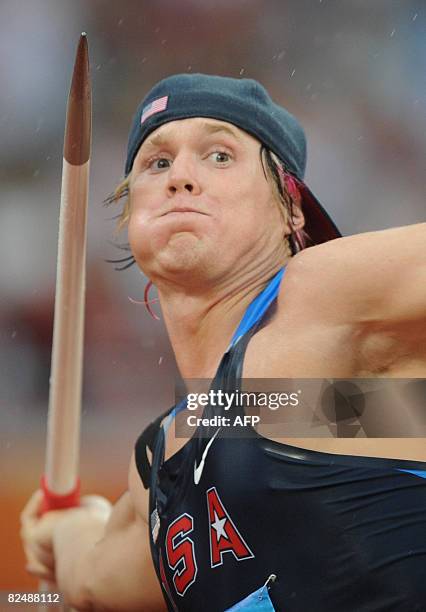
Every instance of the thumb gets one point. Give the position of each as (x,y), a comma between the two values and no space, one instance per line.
(97,503)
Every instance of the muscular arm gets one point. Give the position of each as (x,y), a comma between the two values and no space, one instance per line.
(109,567)
(375,285)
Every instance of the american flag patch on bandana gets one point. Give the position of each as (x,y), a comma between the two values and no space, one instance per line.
(155,107)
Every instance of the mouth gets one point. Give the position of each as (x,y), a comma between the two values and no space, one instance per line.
(183,210)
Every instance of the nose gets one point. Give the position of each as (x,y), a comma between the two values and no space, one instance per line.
(182,176)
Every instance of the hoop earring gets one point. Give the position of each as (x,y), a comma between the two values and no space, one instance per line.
(146,301)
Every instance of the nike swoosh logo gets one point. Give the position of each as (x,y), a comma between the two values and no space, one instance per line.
(198,470)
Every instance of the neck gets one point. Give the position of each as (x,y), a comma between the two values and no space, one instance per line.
(201,322)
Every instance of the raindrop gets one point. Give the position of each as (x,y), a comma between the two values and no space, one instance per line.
(47,158)
(143,60)
(163,42)
(98,67)
(292,72)
(189,68)
(120,22)
(414,17)
(392,33)
(14,334)
(160,361)
(308,86)
(156,30)
(36,173)
(242,71)
(280,55)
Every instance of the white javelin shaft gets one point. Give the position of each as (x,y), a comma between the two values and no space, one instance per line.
(63,428)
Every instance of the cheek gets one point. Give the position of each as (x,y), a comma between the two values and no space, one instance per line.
(139,212)
(261,205)
(133,238)
(146,193)
(137,234)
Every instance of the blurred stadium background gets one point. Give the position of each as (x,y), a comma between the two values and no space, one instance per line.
(354,74)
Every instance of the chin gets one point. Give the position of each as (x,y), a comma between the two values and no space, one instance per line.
(183,253)
(183,256)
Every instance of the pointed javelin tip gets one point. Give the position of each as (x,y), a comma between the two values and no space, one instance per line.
(78,122)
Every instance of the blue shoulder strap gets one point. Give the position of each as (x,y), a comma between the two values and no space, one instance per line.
(252,315)
(258,307)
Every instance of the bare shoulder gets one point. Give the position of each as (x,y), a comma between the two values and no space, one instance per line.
(314,272)
(354,306)
(320,274)
(308,335)
(314,289)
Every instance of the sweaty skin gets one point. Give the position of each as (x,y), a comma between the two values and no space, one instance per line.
(206,229)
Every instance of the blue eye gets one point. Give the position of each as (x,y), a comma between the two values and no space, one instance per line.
(161,163)
(221,157)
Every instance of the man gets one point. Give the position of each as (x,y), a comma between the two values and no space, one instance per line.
(217,207)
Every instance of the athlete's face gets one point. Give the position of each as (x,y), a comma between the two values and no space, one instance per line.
(200,203)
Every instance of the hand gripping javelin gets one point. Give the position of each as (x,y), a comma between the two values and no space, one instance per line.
(60,482)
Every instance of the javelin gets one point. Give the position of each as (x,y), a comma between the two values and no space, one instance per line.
(60,482)
(63,426)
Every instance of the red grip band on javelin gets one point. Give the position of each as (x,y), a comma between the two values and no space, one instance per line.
(53,501)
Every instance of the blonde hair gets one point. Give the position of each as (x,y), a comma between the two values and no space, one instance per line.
(287,196)
(121,191)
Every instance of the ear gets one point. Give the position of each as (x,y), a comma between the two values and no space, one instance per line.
(297,219)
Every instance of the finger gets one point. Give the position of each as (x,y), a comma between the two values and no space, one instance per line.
(40,571)
(35,565)
(33,529)
(41,556)
(33,507)
(34,553)
(39,535)
(40,531)
(28,553)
